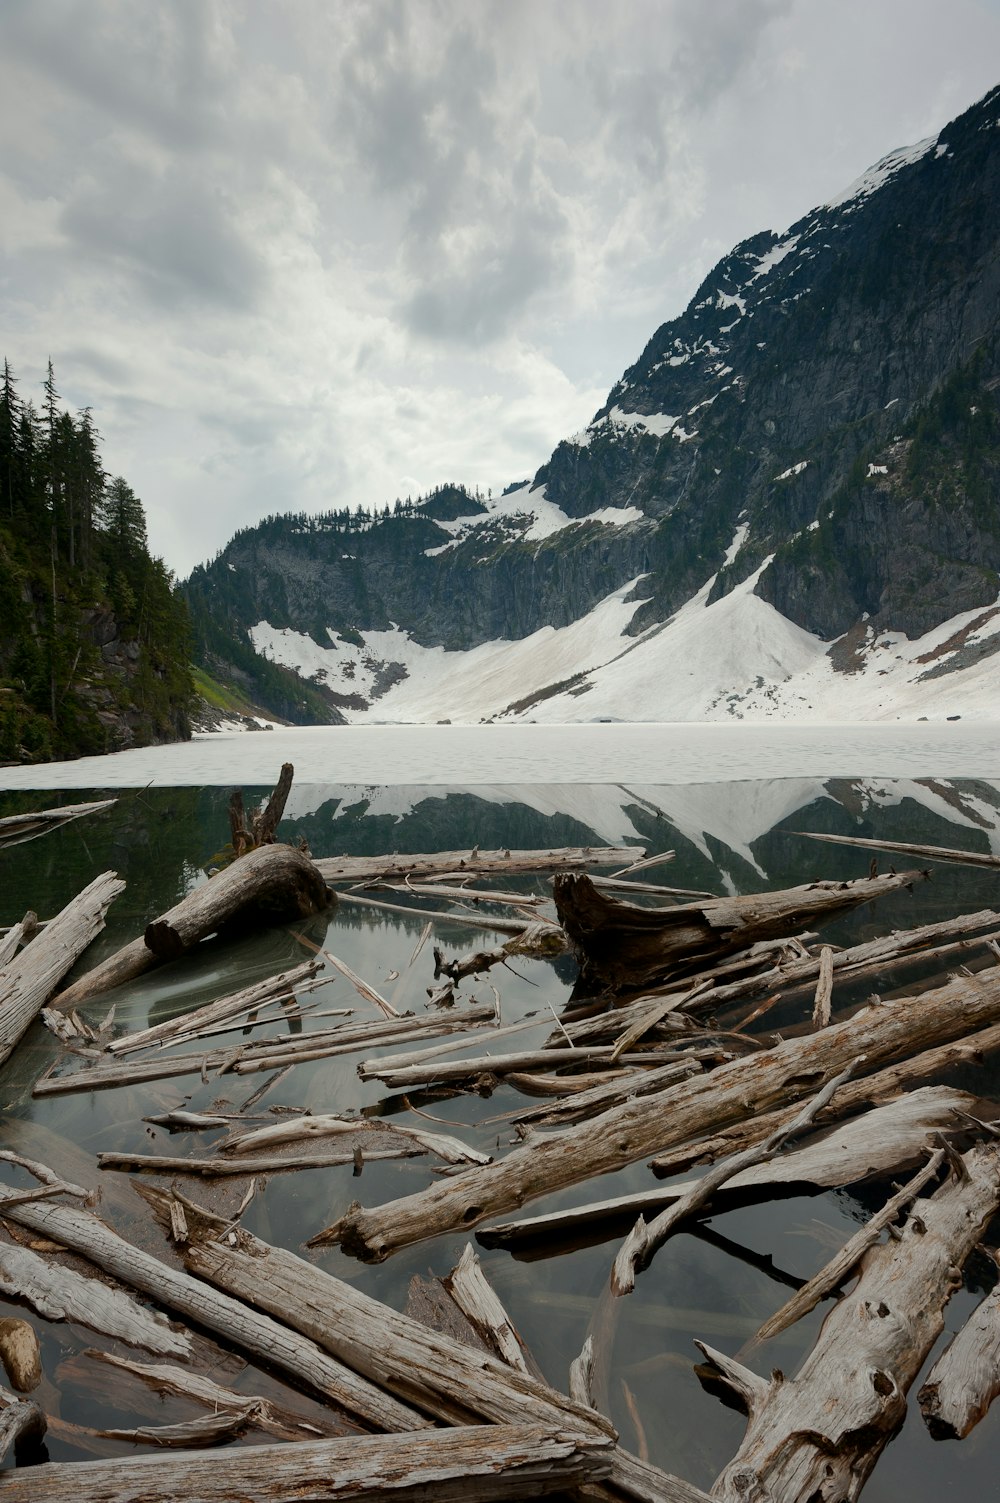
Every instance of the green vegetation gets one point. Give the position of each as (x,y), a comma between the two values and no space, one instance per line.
(94,639)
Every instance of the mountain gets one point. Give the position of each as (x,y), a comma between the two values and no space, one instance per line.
(787,506)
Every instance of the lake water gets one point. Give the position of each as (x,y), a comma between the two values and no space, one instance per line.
(729,800)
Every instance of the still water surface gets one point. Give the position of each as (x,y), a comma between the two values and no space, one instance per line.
(716,1282)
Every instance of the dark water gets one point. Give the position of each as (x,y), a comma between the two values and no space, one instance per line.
(716,1283)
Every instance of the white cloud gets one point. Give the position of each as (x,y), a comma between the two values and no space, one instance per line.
(291,255)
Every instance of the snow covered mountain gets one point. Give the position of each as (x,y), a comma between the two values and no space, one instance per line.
(788,507)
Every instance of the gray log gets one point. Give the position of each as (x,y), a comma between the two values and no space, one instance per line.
(465,863)
(965,1380)
(483,1464)
(819,1434)
(29,979)
(251,1332)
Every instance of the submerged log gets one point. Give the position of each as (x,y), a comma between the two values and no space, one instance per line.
(623,947)
(730,1094)
(29,979)
(965,1379)
(819,1434)
(480,1464)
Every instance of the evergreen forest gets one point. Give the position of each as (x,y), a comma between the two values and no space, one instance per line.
(94,636)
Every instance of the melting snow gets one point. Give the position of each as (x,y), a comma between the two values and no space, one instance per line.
(795,469)
(877,176)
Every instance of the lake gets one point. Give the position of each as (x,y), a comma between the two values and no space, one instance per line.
(729,800)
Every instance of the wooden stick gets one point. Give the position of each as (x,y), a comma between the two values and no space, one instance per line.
(637,1250)
(905,848)
(824,989)
(249,997)
(17,828)
(840,1265)
(22,1426)
(221,1168)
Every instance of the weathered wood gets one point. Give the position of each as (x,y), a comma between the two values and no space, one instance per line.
(265,1054)
(788,976)
(17,828)
(824,989)
(539,938)
(645,1238)
(323,1125)
(478,1300)
(965,1379)
(19,934)
(884,1085)
(246,999)
(264,1339)
(906,848)
(623,1087)
(446,1378)
(274,1419)
(271,884)
(222,1168)
(886,1139)
(505,1064)
(819,1434)
(20,1353)
(208,1430)
(623,947)
(28,980)
(467,863)
(22,1426)
(654,1123)
(59,1293)
(476,1464)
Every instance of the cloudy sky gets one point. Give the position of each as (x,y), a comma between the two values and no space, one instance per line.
(328,252)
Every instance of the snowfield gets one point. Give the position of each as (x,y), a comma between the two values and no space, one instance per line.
(735,659)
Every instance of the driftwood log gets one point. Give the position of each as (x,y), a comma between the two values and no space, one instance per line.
(625,948)
(29,979)
(965,1379)
(264,1339)
(270,885)
(819,1434)
(22,1427)
(876,1037)
(481,1464)
(445,1378)
(475,862)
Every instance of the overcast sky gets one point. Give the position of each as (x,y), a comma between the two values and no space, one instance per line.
(324,253)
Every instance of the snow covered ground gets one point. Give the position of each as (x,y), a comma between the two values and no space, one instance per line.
(633,756)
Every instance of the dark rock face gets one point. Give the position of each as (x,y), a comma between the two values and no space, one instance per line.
(834,391)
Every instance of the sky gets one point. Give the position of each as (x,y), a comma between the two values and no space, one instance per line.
(330,252)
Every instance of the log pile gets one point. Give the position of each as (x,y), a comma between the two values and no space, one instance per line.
(660,1057)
